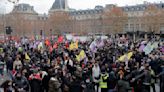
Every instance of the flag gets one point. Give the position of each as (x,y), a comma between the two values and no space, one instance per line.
(148,48)
(77,57)
(93,47)
(47,42)
(130,54)
(143,42)
(76,44)
(50,49)
(73,45)
(155,45)
(141,47)
(60,39)
(55,45)
(126,57)
(122,58)
(66,45)
(81,55)
(100,44)
(27,57)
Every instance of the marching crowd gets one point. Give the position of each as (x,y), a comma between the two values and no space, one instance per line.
(117,65)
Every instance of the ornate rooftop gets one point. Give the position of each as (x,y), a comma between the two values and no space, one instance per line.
(24,8)
(59,5)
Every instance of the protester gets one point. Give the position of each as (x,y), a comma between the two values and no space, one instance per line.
(20,83)
(8,86)
(112,65)
(96,75)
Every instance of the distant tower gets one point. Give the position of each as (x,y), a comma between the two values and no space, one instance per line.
(59,5)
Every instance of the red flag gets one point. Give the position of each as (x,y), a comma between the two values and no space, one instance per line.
(60,39)
(55,45)
(47,42)
(50,49)
(67,45)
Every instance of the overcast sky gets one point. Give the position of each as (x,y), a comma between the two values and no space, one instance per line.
(42,6)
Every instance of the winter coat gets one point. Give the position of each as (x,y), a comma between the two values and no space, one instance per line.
(21,83)
(54,85)
(161,76)
(112,80)
(76,87)
(145,77)
(123,86)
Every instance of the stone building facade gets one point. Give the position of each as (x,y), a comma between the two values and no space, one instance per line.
(25,21)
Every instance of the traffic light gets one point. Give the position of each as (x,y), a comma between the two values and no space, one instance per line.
(8,30)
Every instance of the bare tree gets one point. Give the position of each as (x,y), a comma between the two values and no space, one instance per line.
(16,21)
(161,19)
(1,24)
(151,18)
(59,21)
(114,20)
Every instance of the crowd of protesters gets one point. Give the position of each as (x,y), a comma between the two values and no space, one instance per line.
(56,68)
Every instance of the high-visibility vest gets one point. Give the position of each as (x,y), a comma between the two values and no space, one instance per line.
(102,83)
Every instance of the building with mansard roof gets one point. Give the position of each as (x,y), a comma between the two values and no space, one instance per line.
(25,21)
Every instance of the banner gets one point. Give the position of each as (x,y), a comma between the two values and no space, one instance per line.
(47,42)
(141,47)
(148,48)
(100,44)
(155,45)
(60,39)
(81,55)
(73,45)
(126,57)
(55,45)
(50,49)
(27,57)
(66,44)
(93,47)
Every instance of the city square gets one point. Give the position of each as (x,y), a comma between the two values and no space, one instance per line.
(81,46)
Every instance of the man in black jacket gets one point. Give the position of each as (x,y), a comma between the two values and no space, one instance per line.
(76,85)
(161,76)
(20,83)
(145,77)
